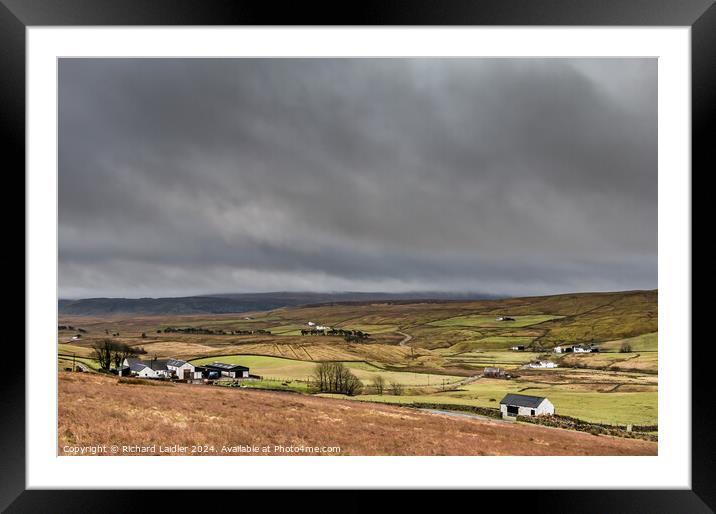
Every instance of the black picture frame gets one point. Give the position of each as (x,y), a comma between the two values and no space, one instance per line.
(700,15)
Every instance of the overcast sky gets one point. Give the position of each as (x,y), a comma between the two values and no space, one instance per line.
(504,176)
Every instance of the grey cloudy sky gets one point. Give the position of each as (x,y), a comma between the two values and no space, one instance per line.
(505,176)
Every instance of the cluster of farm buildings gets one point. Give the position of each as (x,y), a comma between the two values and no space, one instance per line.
(179,369)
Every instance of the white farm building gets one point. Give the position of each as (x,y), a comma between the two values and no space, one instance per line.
(541,364)
(182,369)
(513,405)
(147,369)
(162,368)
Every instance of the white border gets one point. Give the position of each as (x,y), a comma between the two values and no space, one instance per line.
(670,469)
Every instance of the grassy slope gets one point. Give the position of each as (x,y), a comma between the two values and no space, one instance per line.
(95,410)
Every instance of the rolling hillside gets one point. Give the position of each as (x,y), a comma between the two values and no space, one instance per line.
(97,410)
(430,347)
(234,303)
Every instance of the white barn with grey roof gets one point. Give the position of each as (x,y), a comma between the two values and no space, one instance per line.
(513,405)
(182,369)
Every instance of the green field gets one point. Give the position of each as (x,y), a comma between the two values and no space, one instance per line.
(489,321)
(488,343)
(287,330)
(65,361)
(505,359)
(611,408)
(641,343)
(280,385)
(289,369)
(647,362)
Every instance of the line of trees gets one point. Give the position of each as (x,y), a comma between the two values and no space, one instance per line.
(209,331)
(347,334)
(335,377)
(70,327)
(380,385)
(107,352)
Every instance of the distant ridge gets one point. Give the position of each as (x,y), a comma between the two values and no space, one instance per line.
(240,302)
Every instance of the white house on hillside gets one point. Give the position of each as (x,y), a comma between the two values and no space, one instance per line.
(147,369)
(513,405)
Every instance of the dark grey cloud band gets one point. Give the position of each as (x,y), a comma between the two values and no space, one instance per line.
(507,176)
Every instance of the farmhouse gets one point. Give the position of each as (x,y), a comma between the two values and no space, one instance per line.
(583,348)
(513,405)
(228,370)
(504,318)
(147,369)
(519,348)
(562,349)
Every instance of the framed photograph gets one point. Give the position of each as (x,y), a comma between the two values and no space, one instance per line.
(414,248)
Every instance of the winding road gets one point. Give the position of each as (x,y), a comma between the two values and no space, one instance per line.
(406,338)
(464,381)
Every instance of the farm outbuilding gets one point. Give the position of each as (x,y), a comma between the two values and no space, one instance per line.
(583,348)
(492,372)
(541,364)
(228,370)
(513,405)
(182,369)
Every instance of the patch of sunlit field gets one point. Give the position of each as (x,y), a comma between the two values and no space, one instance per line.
(69,349)
(646,362)
(287,369)
(641,343)
(64,363)
(503,359)
(490,321)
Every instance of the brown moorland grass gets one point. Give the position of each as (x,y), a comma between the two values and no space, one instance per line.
(97,410)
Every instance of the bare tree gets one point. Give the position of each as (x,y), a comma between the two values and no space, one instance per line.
(334,377)
(122,351)
(625,348)
(396,388)
(379,384)
(102,352)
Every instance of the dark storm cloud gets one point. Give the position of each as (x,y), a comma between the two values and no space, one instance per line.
(512,176)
